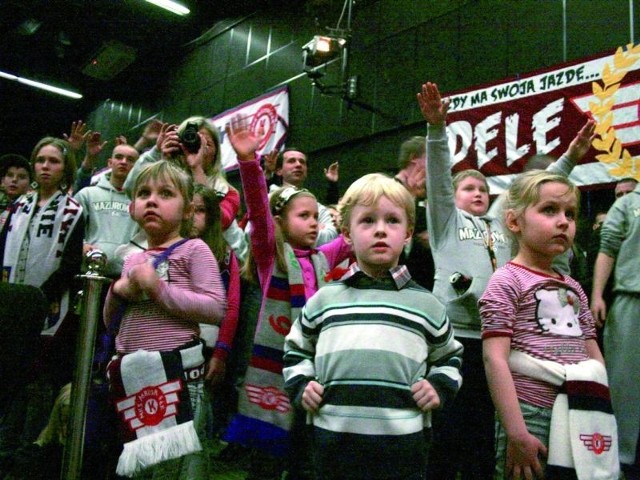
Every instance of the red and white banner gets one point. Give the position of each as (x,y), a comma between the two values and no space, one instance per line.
(269,112)
(496,128)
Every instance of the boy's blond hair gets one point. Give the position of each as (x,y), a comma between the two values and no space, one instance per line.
(368,189)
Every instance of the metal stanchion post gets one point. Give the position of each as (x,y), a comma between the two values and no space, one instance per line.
(93,280)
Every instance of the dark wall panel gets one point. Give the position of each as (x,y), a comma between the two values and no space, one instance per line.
(396,46)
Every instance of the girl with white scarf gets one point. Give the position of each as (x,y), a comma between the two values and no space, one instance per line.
(41,245)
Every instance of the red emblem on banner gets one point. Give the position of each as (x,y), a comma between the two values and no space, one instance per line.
(268,398)
(596,442)
(265,119)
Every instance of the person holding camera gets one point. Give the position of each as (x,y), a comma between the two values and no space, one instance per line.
(194,145)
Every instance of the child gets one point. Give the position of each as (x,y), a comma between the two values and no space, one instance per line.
(15,179)
(467,247)
(207,226)
(371,355)
(538,335)
(41,246)
(166,291)
(284,230)
(620,253)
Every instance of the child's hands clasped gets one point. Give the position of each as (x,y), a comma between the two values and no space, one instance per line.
(425,395)
(523,457)
(312,396)
(144,276)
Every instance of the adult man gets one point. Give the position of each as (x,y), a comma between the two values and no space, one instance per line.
(624,186)
(412,161)
(106,209)
(292,167)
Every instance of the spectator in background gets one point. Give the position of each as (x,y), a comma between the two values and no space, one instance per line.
(204,165)
(106,210)
(15,179)
(417,256)
(620,249)
(292,166)
(625,186)
(41,246)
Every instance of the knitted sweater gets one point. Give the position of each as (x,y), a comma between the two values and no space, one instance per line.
(367,341)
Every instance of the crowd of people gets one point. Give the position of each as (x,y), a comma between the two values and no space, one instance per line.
(409,328)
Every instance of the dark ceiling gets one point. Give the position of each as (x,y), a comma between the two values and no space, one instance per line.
(53,41)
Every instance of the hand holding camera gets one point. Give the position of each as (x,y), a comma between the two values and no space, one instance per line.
(169,141)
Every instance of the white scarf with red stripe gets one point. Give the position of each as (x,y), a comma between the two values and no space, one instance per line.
(583,435)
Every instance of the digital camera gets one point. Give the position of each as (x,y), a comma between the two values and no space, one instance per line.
(190,137)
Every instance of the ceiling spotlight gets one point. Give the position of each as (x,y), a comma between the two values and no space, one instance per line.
(322,49)
(42,86)
(173,7)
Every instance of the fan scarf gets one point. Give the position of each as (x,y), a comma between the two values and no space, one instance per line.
(583,439)
(35,243)
(154,405)
(264,413)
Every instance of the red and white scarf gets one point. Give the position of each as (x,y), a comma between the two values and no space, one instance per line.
(153,401)
(583,435)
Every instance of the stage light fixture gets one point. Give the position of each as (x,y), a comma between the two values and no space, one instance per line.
(173,7)
(322,49)
(40,85)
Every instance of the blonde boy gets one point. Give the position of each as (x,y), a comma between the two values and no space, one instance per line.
(372,354)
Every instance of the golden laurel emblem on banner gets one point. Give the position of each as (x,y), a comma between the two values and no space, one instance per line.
(619,161)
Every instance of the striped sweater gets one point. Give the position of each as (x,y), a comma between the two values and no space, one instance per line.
(367,341)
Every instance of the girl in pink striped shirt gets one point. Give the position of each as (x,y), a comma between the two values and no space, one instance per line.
(529,309)
(164,293)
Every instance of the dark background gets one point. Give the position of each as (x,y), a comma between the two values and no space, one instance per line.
(228,52)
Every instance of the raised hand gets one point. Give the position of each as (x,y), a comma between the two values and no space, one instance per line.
(152,130)
(77,136)
(582,141)
(270,162)
(94,144)
(434,109)
(121,140)
(332,173)
(243,140)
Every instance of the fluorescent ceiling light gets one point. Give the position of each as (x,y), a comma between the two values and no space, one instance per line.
(173,7)
(42,86)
